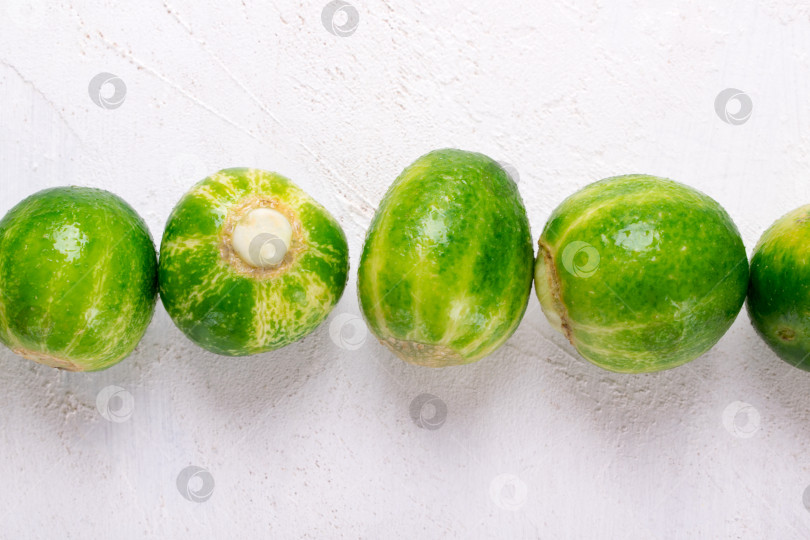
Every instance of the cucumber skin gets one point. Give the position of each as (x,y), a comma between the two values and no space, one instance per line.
(88,306)
(671,277)
(779,290)
(446,269)
(228,313)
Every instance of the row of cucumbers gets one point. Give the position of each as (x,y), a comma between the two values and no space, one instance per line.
(640,273)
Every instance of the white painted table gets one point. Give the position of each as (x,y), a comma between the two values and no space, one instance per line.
(318,440)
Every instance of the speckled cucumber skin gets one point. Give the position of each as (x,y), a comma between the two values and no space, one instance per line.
(779,289)
(641,273)
(78,278)
(232,314)
(446,269)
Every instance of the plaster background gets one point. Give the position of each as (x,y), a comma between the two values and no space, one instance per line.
(317,440)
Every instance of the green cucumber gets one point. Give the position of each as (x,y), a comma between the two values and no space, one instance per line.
(446,269)
(641,273)
(78,278)
(779,290)
(250,263)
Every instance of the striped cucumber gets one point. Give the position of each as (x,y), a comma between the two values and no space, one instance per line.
(641,273)
(250,263)
(78,278)
(779,290)
(446,269)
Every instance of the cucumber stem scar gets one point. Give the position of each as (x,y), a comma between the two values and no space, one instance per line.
(553,304)
(423,354)
(261,237)
(47,359)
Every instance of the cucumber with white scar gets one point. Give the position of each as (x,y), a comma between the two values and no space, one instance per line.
(250,263)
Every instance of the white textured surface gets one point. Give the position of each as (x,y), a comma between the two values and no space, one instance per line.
(316,440)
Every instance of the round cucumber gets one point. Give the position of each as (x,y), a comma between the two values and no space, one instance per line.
(78,278)
(250,263)
(641,273)
(446,269)
(779,290)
